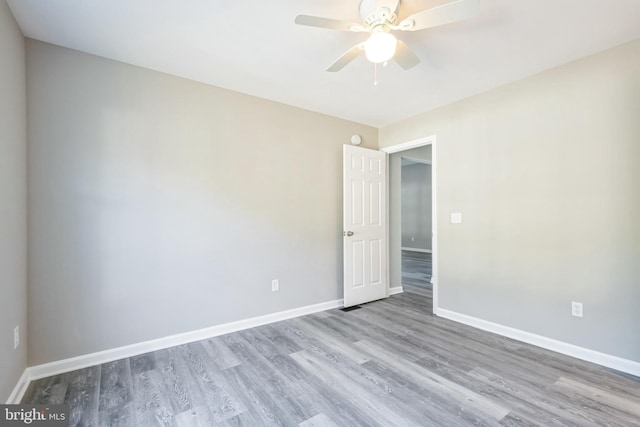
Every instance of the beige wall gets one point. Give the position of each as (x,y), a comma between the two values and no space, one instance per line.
(13,208)
(160,205)
(545,172)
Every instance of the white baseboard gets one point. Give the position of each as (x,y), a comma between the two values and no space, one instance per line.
(424,251)
(396,290)
(19,390)
(79,362)
(603,359)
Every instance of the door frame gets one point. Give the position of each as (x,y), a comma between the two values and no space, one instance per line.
(397,148)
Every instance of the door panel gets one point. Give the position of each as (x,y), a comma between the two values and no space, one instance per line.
(365,265)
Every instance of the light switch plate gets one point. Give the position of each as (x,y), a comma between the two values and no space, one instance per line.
(456,218)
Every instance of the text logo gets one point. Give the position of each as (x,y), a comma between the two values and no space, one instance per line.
(34,415)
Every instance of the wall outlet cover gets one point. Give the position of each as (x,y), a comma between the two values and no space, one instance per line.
(456,218)
(576,309)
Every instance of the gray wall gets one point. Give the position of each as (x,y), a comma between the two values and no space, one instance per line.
(416,206)
(395,209)
(545,171)
(13,207)
(161,205)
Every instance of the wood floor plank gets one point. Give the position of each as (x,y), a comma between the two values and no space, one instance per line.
(245,419)
(58,394)
(536,406)
(196,416)
(274,334)
(211,384)
(116,406)
(115,385)
(270,380)
(336,326)
(631,406)
(379,331)
(419,306)
(142,363)
(617,409)
(348,389)
(83,396)
(173,384)
(181,388)
(425,325)
(430,380)
(320,420)
(611,380)
(480,349)
(387,383)
(153,407)
(259,397)
(121,416)
(418,290)
(51,390)
(219,353)
(328,401)
(517,420)
(324,396)
(276,356)
(332,340)
(434,408)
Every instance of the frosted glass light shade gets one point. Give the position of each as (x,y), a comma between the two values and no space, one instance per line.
(380,47)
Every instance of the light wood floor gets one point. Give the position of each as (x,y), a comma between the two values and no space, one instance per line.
(389,363)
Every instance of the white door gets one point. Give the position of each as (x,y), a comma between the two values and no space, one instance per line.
(365,223)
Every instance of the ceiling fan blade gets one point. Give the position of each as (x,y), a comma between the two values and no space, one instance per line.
(331,24)
(405,57)
(348,56)
(447,13)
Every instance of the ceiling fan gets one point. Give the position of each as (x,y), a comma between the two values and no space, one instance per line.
(379,19)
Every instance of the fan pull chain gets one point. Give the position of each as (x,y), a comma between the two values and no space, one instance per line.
(375,71)
(375,74)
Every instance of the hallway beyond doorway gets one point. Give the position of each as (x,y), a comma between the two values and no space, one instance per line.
(416,269)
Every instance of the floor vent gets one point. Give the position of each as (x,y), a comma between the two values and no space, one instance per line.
(353,307)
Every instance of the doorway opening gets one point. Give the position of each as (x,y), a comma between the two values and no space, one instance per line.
(415,219)
(415,259)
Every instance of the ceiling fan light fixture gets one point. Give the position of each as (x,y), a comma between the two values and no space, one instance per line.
(380,47)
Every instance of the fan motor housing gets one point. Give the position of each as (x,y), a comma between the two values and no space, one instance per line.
(378,12)
(382,17)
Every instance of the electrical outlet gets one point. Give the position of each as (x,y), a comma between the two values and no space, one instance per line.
(16,337)
(576,309)
(275,285)
(456,218)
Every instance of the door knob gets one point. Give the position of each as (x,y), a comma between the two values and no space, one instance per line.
(348,233)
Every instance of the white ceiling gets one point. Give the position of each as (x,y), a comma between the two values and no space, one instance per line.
(253,46)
